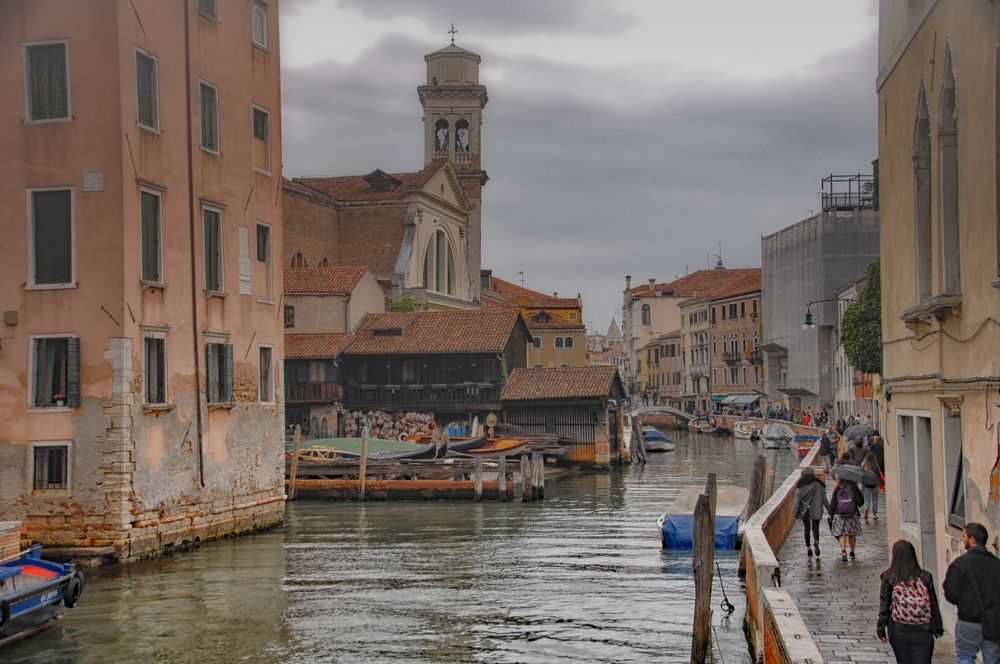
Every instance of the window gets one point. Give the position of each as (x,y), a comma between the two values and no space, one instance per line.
(56,372)
(259,19)
(213,249)
(219,372)
(954,468)
(155,370)
(409,372)
(572,315)
(266,378)
(298,260)
(207,7)
(744,375)
(951,277)
(756,374)
(743,309)
(569,343)
(713,315)
(261,139)
(51,466)
(146,91)
(732,310)
(645,314)
(289,315)
(559,342)
(149,211)
(209,117)
(46,81)
(317,372)
(264,259)
(536,342)
(439,264)
(744,341)
(53,235)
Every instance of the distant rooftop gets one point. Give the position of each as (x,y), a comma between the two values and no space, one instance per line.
(843,193)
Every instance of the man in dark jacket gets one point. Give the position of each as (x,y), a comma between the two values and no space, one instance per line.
(878,449)
(972,583)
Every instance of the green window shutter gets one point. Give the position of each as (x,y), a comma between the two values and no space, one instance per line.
(37,398)
(73,372)
(227,380)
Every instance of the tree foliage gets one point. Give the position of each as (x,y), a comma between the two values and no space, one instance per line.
(861,327)
(404,305)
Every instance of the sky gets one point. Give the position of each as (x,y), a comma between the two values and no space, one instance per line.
(628,137)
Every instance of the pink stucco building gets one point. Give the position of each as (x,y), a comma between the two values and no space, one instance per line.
(141,341)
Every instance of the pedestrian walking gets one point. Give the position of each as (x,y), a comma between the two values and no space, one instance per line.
(810,500)
(857,451)
(871,493)
(845,517)
(909,616)
(828,445)
(878,449)
(972,584)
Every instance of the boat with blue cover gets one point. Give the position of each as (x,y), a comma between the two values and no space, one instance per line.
(654,440)
(676,525)
(33,593)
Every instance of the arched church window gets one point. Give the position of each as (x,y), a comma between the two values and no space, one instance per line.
(441,136)
(439,264)
(948,147)
(462,136)
(298,260)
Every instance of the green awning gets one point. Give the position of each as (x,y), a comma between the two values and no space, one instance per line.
(719,397)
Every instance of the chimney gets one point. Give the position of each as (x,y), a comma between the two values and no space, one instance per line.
(555,293)
(628,281)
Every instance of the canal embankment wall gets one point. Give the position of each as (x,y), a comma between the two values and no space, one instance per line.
(774,626)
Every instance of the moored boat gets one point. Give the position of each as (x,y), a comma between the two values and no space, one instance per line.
(747,430)
(654,440)
(498,447)
(802,443)
(33,593)
(777,435)
(350,448)
(676,525)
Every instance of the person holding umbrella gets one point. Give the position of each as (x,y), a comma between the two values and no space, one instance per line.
(871,493)
(845,504)
(810,499)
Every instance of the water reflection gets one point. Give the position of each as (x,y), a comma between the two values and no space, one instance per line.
(578,577)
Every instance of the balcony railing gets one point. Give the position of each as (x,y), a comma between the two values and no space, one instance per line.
(698,369)
(755,356)
(415,396)
(319,392)
(732,357)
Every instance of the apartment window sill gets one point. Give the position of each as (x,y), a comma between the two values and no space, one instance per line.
(261,171)
(222,295)
(260,47)
(221,405)
(39,287)
(153,285)
(268,302)
(49,121)
(51,409)
(158,408)
(147,128)
(937,307)
(210,151)
(208,17)
(51,493)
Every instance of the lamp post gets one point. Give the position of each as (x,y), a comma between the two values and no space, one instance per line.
(808,323)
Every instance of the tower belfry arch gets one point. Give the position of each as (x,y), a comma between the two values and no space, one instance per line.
(453,101)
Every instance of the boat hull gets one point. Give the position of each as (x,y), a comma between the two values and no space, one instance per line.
(33,593)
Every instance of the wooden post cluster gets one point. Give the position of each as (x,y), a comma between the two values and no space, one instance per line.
(502,478)
(703,557)
(638,444)
(532,477)
(297,438)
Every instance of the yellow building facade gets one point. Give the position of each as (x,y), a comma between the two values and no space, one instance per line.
(938,146)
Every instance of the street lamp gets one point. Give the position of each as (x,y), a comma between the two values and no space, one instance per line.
(808,323)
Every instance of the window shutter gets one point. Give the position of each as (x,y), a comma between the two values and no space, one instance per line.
(245,283)
(227,379)
(161,370)
(73,372)
(39,400)
(212,372)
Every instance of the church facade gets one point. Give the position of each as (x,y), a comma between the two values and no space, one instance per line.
(419,233)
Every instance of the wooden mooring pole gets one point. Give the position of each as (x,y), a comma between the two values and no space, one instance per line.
(502,478)
(527,492)
(538,473)
(772,470)
(297,439)
(703,558)
(638,445)
(478,480)
(363,463)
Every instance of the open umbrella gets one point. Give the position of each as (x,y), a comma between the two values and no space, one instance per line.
(858,431)
(857,474)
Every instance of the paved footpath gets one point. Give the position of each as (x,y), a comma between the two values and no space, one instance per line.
(839,601)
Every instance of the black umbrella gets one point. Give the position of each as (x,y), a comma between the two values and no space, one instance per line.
(858,431)
(858,475)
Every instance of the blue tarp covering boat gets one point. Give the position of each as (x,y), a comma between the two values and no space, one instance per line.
(678,531)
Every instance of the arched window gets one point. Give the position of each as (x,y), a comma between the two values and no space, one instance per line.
(324,262)
(569,342)
(744,342)
(755,341)
(645,314)
(298,260)
(948,154)
(441,138)
(439,264)
(323,431)
(314,427)
(559,342)
(461,137)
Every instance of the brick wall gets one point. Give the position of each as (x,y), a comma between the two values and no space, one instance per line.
(10,538)
(372,236)
(310,227)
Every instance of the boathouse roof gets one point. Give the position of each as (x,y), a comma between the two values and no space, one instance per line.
(590,382)
(314,346)
(463,331)
(323,280)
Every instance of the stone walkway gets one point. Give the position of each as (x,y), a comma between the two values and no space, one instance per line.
(839,601)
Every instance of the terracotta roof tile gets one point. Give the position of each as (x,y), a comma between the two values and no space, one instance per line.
(465,331)
(323,280)
(314,346)
(511,291)
(544,320)
(356,188)
(700,283)
(592,381)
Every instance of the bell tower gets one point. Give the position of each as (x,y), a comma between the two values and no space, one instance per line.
(453,102)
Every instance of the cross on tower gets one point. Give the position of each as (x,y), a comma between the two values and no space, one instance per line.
(453,32)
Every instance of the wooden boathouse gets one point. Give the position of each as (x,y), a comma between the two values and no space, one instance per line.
(581,403)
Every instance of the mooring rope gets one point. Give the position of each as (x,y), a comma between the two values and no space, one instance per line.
(725,604)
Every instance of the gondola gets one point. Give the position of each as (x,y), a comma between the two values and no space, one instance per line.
(498,447)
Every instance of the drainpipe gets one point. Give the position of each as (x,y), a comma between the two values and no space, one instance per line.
(191,226)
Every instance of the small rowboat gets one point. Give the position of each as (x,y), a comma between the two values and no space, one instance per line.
(33,593)
(803,443)
(498,447)
(747,430)
(654,440)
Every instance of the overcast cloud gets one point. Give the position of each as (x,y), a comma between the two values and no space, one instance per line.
(618,141)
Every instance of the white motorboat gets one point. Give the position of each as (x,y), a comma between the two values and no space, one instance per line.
(777,435)
(746,429)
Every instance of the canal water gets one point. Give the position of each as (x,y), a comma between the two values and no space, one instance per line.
(578,577)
